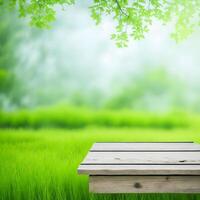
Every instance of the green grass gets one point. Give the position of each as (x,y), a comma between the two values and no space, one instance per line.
(42,164)
(62,116)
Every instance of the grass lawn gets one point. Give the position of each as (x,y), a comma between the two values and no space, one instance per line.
(42,164)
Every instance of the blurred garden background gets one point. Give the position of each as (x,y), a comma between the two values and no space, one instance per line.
(61,89)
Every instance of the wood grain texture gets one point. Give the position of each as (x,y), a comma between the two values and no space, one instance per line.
(143,167)
(142,158)
(185,146)
(139,169)
(144,184)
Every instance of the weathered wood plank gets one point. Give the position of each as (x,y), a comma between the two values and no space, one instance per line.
(186,146)
(139,169)
(143,168)
(142,158)
(144,184)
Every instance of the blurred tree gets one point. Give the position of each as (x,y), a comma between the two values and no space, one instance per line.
(132,18)
(153,89)
(91,98)
(10,91)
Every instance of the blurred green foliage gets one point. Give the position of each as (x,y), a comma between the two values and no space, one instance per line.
(62,116)
(10,90)
(152,89)
(148,88)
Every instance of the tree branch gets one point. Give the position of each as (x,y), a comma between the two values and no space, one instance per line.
(120,8)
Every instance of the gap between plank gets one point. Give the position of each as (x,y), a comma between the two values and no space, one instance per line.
(140,164)
(99,151)
(147,142)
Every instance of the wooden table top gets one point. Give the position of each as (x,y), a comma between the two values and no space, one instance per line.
(142,158)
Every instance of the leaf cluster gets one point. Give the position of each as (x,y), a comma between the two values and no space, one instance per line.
(132,18)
